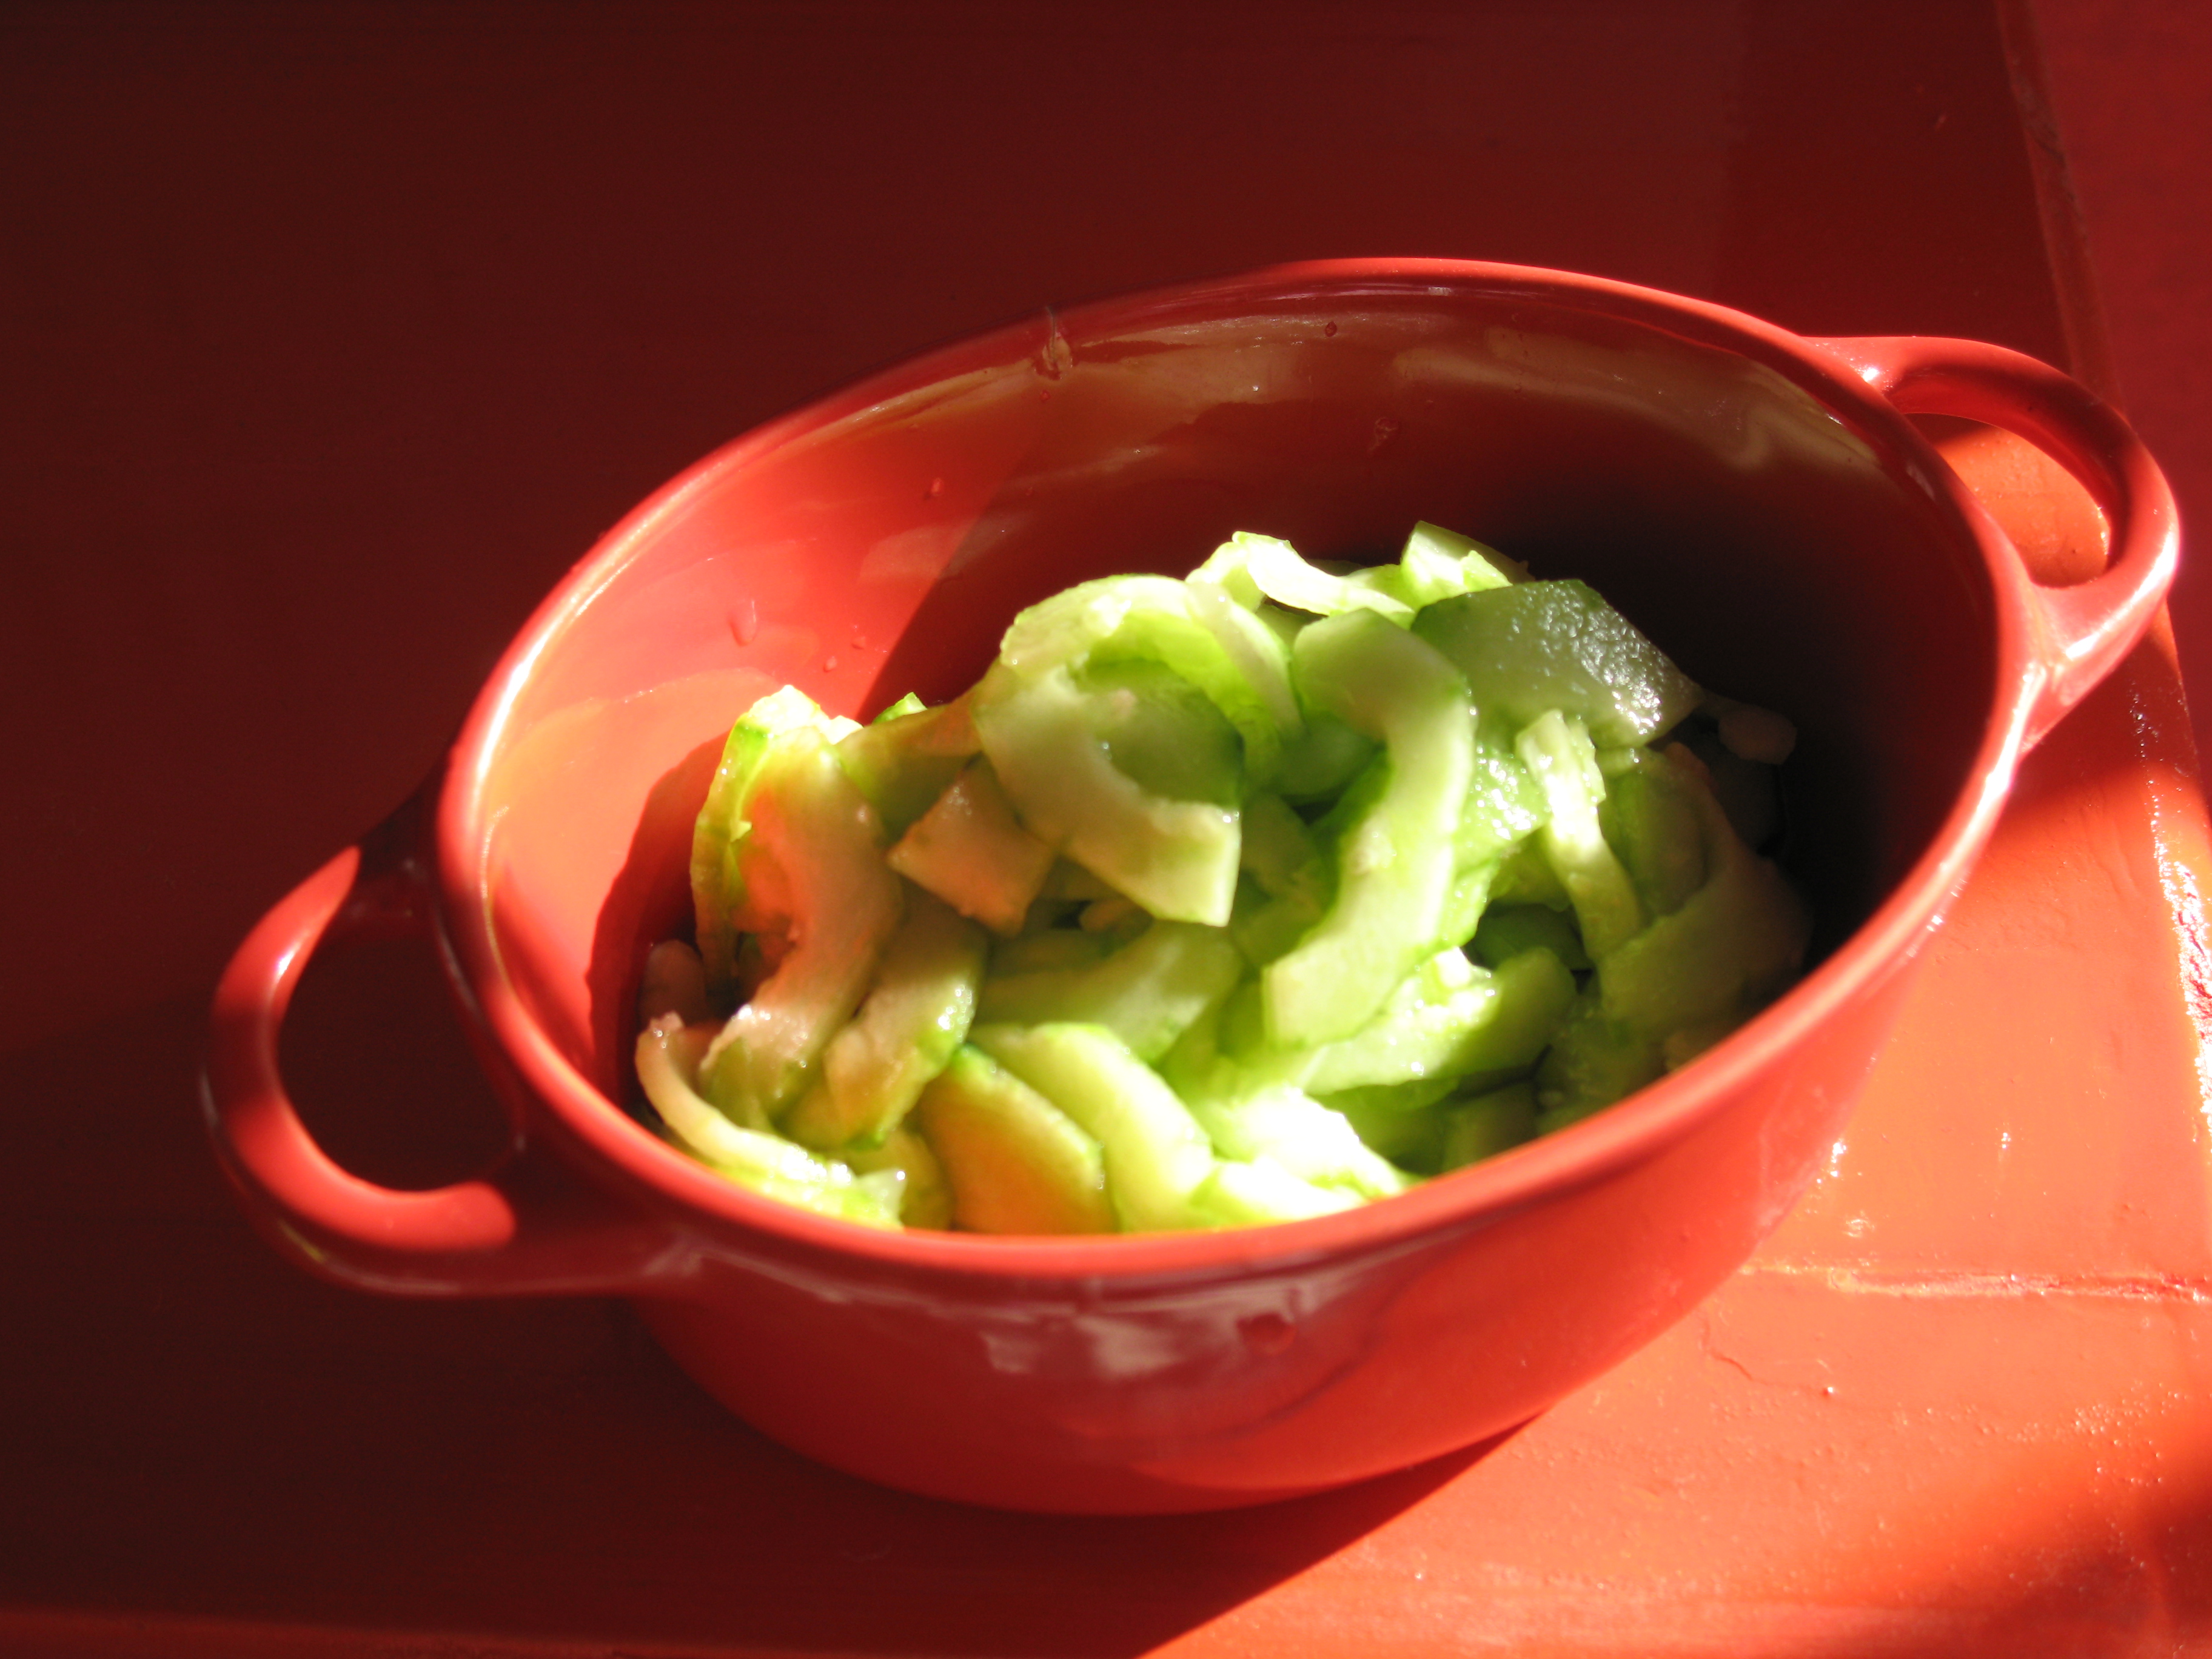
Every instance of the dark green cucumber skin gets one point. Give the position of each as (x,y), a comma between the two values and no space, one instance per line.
(1539,646)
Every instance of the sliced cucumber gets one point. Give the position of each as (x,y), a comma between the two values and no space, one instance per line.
(1438,563)
(916,1012)
(1262,1193)
(1650,819)
(1161,731)
(1237,838)
(1731,946)
(1595,1061)
(971,851)
(1489,1124)
(926,1195)
(1528,647)
(1494,1021)
(1013,1160)
(811,864)
(1556,750)
(1396,864)
(907,757)
(1507,930)
(1328,756)
(1156,1155)
(1243,668)
(668,1054)
(1270,566)
(1148,993)
(1176,858)
(722,835)
(1298,1133)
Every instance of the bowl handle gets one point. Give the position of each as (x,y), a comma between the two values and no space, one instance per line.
(2082,631)
(531,1224)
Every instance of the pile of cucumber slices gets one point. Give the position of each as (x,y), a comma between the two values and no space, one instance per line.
(1233,900)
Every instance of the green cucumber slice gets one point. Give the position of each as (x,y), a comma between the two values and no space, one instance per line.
(668,1055)
(916,1012)
(1404,1122)
(1262,1193)
(1176,858)
(1280,853)
(1494,1020)
(1505,804)
(1014,1162)
(1322,761)
(1236,663)
(1489,1124)
(1733,945)
(971,851)
(1147,992)
(1291,1129)
(1557,753)
(1650,818)
(811,865)
(926,1198)
(1593,1061)
(1156,1155)
(1507,930)
(1397,862)
(721,833)
(1528,647)
(907,757)
(1438,563)
(1269,566)
(1163,732)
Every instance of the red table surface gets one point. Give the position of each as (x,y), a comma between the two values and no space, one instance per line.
(334,334)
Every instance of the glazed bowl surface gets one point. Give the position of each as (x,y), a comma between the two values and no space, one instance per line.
(1757,502)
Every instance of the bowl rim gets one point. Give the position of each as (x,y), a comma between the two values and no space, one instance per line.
(726,1217)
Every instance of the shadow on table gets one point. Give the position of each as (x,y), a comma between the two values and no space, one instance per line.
(196,1428)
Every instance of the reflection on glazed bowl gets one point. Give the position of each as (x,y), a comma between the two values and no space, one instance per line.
(1756,501)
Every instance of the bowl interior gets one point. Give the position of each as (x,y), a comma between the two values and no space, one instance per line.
(880,543)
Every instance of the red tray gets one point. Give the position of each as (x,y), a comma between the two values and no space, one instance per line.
(353,325)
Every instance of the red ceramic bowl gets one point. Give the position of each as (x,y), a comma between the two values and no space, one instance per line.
(1756,500)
